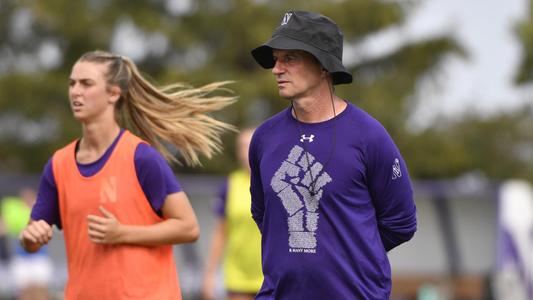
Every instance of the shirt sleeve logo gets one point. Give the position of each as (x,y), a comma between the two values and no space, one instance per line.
(396,170)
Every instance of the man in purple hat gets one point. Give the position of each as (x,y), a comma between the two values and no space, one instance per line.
(331,193)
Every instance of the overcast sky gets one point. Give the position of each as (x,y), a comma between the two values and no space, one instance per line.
(485,29)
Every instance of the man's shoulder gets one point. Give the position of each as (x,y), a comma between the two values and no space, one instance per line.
(361,118)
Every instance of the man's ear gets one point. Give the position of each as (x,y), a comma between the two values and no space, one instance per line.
(325,72)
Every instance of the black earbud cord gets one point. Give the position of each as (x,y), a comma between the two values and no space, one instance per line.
(314,180)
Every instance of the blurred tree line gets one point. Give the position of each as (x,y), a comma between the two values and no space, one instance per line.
(201,41)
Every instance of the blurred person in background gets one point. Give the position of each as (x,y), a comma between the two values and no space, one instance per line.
(31,273)
(235,235)
(112,193)
(5,255)
(4,245)
(330,190)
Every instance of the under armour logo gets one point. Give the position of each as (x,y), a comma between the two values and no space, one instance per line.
(396,171)
(286,18)
(307,138)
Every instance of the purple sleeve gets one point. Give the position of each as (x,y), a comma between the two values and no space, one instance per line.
(256,187)
(391,191)
(47,205)
(155,176)
(222,199)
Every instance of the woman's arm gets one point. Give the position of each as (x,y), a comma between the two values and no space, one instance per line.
(179,226)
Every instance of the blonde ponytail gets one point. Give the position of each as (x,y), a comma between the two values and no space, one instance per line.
(172,115)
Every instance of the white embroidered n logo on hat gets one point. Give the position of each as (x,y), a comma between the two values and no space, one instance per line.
(286,18)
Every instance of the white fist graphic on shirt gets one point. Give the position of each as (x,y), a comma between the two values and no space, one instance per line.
(292,183)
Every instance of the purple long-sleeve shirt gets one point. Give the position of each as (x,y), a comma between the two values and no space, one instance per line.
(155,176)
(332,245)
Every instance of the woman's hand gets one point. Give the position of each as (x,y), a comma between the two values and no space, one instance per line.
(104,230)
(35,235)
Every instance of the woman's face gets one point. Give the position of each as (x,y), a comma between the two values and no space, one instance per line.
(89,95)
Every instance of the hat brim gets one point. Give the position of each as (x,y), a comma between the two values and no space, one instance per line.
(263,56)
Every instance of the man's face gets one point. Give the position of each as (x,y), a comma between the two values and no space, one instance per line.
(297,72)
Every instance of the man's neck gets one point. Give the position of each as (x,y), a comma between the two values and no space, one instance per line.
(317,109)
